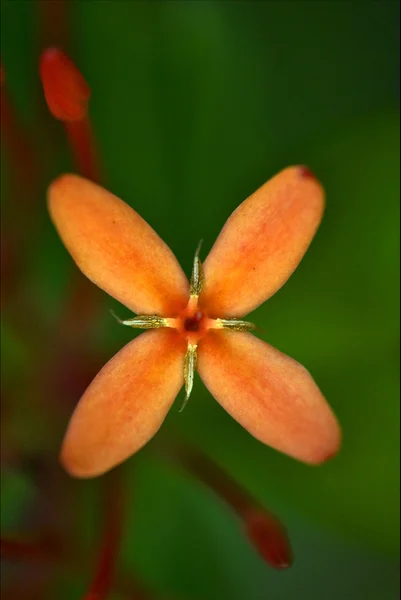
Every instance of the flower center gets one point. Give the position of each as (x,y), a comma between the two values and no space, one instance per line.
(193,323)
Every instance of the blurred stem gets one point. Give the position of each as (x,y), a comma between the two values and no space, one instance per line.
(42,552)
(23,191)
(264,530)
(114,511)
(15,549)
(202,467)
(19,149)
(54,21)
(82,143)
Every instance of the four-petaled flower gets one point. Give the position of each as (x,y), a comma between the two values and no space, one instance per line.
(194,325)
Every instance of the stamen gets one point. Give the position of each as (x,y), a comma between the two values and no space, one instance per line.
(143,321)
(234,324)
(196,283)
(189,371)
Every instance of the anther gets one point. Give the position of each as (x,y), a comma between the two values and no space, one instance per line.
(143,321)
(189,371)
(196,282)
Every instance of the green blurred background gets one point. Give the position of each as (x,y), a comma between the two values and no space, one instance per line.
(194,105)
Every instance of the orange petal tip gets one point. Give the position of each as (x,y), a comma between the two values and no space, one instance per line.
(262,243)
(115,248)
(271,395)
(66,91)
(125,405)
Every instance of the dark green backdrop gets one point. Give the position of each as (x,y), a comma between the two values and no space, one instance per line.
(194,105)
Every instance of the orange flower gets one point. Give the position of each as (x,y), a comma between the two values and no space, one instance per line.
(193,325)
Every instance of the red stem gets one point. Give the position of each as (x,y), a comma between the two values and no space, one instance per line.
(82,143)
(54,22)
(36,552)
(14,549)
(19,149)
(264,530)
(103,579)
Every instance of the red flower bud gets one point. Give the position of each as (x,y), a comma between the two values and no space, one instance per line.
(66,91)
(269,538)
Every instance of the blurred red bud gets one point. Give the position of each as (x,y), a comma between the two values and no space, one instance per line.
(66,91)
(269,538)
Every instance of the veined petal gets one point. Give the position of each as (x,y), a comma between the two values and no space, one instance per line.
(270,394)
(262,243)
(116,249)
(125,404)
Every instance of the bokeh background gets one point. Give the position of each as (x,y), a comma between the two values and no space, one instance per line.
(194,105)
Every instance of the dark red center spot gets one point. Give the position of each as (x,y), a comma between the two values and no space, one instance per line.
(192,323)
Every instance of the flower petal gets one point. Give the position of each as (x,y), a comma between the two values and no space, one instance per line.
(270,394)
(115,248)
(125,404)
(262,243)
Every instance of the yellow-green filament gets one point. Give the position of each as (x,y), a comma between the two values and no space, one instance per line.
(143,321)
(234,324)
(189,371)
(196,283)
